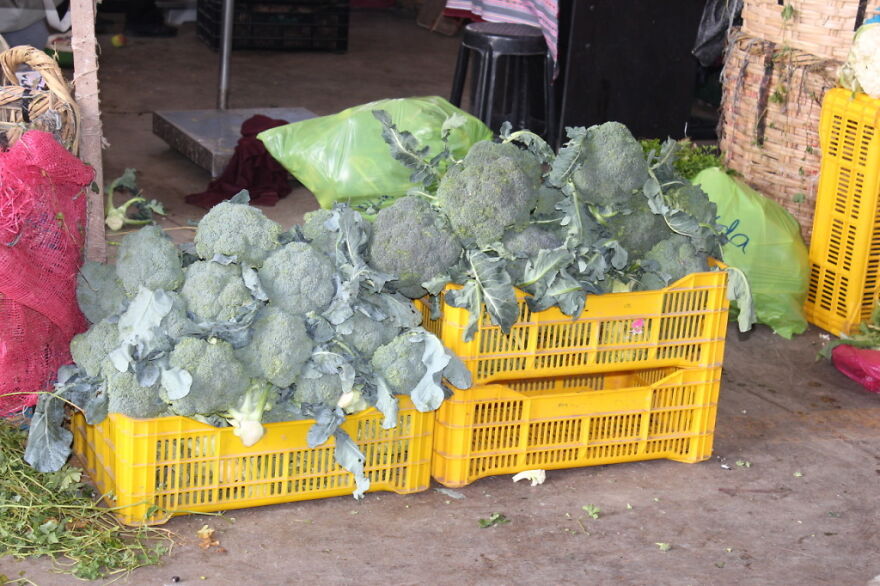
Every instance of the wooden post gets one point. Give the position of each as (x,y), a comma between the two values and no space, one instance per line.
(85,85)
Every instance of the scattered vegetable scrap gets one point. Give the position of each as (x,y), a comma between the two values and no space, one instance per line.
(536,477)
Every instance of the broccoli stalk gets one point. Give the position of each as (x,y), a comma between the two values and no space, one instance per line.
(247,416)
(116,217)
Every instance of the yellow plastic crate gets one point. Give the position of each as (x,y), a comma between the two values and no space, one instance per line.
(569,422)
(683,325)
(156,468)
(845,246)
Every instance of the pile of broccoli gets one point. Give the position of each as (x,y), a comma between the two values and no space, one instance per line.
(599,216)
(258,325)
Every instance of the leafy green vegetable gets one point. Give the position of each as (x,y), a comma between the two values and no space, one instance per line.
(117,217)
(55,515)
(493,520)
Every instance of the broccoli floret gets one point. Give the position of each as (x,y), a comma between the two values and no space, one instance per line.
(693,200)
(219,379)
(90,349)
(298,278)
(214,292)
(148,258)
(675,258)
(399,362)
(413,242)
(317,234)
(238,230)
(99,291)
(126,396)
(494,189)
(612,167)
(279,348)
(367,334)
(324,390)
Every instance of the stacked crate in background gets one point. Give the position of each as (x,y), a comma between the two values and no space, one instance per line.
(777,70)
(635,377)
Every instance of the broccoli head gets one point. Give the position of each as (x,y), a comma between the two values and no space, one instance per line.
(298,278)
(612,166)
(218,378)
(90,349)
(493,189)
(126,396)
(399,362)
(148,258)
(693,200)
(214,292)
(99,291)
(367,334)
(239,230)
(528,242)
(413,242)
(279,348)
(317,233)
(670,260)
(324,390)
(525,245)
(638,230)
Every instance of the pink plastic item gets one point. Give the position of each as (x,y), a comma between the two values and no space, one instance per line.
(863,366)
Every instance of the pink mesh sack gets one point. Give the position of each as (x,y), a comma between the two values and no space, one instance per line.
(42,232)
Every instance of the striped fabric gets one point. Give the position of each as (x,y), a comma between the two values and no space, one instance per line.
(543,14)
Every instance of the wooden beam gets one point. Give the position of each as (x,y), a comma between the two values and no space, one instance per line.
(85,85)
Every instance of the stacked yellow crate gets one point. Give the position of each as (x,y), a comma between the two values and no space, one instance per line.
(635,377)
(845,251)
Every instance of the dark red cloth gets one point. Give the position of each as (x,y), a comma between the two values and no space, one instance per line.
(251,167)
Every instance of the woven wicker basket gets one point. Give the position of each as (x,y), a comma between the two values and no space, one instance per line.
(823,28)
(769,128)
(52,109)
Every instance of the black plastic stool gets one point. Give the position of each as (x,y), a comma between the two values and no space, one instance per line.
(494,41)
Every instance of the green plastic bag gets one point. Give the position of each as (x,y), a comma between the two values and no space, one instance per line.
(764,241)
(343,158)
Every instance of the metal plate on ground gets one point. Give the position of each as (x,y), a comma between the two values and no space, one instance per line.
(208,137)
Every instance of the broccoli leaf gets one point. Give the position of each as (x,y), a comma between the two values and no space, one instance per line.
(568,157)
(738,290)
(327,421)
(237,331)
(350,457)
(139,328)
(488,285)
(386,403)
(48,445)
(406,148)
(533,143)
(176,382)
(252,282)
(457,373)
(428,394)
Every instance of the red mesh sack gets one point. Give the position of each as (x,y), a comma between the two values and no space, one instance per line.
(42,232)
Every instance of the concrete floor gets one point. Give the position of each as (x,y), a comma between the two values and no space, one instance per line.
(804,511)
